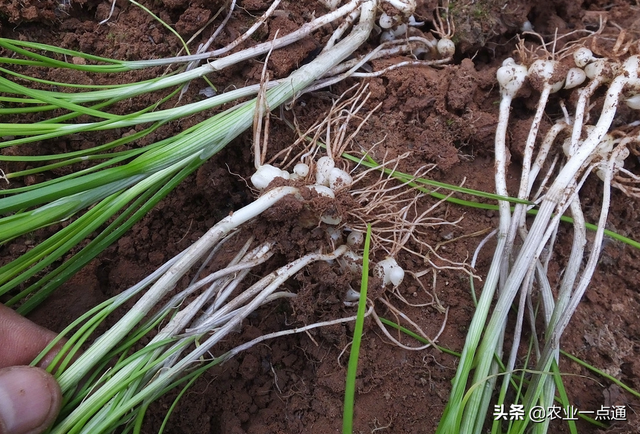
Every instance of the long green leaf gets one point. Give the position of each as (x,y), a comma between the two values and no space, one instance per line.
(352,369)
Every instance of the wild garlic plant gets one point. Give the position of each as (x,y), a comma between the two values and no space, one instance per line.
(115,192)
(204,312)
(131,182)
(581,144)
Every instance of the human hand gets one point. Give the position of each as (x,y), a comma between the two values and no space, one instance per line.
(30,397)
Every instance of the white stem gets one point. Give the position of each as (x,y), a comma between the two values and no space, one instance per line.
(478,321)
(541,158)
(153,296)
(241,56)
(578,120)
(551,348)
(526,181)
(535,241)
(278,277)
(538,234)
(524,293)
(246,346)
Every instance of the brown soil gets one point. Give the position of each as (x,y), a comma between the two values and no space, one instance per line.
(446,117)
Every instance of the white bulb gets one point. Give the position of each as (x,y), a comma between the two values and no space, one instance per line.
(265,174)
(557,86)
(355,238)
(633,101)
(617,165)
(386,36)
(321,190)
(575,77)
(338,178)
(389,271)
(323,168)
(301,169)
(511,76)
(582,56)
(543,69)
(385,21)
(526,26)
(597,69)
(396,275)
(400,31)
(351,295)
(446,47)
(351,262)
(331,219)
(334,233)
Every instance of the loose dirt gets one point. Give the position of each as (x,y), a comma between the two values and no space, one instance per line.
(444,116)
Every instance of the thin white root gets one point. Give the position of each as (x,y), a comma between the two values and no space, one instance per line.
(400,344)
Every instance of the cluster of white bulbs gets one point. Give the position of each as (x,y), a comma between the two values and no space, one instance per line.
(328,180)
(511,77)
(396,26)
(327,175)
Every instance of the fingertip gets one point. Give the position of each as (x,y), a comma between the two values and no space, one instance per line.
(30,399)
(21,339)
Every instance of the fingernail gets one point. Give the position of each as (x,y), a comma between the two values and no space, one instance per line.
(29,400)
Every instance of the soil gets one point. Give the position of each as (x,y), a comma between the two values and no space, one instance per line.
(445,117)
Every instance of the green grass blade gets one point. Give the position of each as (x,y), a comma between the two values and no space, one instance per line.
(601,373)
(52,84)
(562,392)
(110,65)
(138,209)
(418,182)
(47,97)
(59,210)
(175,403)
(562,399)
(352,369)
